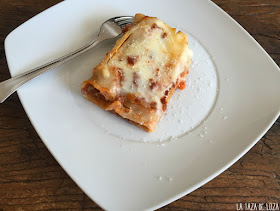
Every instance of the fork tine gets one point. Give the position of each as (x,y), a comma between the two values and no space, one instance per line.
(122,26)
(120,23)
(123,20)
(123,23)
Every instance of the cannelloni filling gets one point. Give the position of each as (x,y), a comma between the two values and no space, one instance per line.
(137,78)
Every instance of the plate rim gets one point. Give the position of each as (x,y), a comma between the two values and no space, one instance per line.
(194,186)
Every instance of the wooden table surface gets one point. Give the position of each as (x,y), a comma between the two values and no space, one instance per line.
(31,179)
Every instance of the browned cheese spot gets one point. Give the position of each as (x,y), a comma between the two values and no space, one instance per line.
(132,60)
(135,79)
(155,26)
(140,100)
(120,75)
(153,84)
(153,105)
(157,71)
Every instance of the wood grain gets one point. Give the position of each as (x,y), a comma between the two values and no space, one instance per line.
(31,179)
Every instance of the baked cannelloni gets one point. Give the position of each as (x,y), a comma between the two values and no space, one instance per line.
(137,78)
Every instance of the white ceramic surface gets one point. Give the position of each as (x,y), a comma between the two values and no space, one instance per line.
(237,83)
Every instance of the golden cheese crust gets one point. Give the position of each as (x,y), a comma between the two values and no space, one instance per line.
(137,78)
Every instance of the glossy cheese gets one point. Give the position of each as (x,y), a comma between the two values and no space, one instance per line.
(141,72)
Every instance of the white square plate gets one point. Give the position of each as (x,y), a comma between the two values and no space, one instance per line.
(231,100)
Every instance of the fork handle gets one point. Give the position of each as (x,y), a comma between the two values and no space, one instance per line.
(9,86)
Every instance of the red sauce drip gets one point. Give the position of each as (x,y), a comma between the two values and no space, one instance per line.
(164,103)
(182,85)
(164,107)
(163,100)
(126,28)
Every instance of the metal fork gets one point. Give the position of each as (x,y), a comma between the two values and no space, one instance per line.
(108,30)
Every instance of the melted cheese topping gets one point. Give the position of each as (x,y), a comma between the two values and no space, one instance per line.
(153,48)
(148,63)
